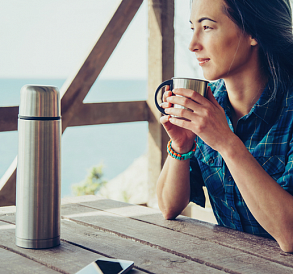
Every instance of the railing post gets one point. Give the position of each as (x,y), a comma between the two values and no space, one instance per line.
(160,68)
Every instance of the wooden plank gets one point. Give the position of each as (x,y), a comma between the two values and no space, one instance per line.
(145,257)
(8,185)
(187,246)
(76,87)
(7,210)
(90,228)
(160,68)
(14,263)
(245,242)
(251,244)
(8,118)
(89,114)
(8,122)
(66,258)
(108,113)
(84,238)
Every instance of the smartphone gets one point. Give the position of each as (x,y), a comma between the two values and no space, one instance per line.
(107,266)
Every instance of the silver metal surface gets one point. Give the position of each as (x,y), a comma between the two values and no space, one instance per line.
(38,184)
(39,101)
(200,86)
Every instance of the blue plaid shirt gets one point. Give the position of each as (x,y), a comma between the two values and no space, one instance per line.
(266,132)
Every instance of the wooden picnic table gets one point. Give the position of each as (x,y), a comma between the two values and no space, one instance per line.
(93,227)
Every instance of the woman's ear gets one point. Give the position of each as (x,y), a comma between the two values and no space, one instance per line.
(253,42)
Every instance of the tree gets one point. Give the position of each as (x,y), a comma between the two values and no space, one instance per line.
(92,184)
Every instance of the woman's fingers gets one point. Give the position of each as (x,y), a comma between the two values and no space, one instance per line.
(179,112)
(165,105)
(167,93)
(211,97)
(193,101)
(201,116)
(184,102)
(169,127)
(190,94)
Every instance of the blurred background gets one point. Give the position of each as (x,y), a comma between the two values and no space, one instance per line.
(44,42)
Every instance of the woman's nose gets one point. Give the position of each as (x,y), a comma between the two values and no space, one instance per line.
(194,44)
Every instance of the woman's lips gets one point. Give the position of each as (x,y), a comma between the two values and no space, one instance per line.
(202,61)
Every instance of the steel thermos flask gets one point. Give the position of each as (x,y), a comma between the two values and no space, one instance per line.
(38,168)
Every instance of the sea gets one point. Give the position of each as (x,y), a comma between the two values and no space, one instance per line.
(114,146)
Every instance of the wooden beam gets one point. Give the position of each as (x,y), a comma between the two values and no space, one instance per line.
(108,113)
(89,114)
(8,118)
(161,68)
(76,87)
(8,185)
(8,122)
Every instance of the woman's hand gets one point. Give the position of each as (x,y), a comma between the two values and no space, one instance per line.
(206,118)
(182,139)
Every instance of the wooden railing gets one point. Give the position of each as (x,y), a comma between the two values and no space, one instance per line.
(76,113)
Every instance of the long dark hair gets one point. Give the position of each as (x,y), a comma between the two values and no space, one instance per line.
(270,23)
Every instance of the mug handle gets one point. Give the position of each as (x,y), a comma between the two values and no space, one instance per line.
(168,82)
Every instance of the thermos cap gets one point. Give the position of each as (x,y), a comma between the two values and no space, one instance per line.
(39,101)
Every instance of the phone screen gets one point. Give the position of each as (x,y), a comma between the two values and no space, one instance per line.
(107,266)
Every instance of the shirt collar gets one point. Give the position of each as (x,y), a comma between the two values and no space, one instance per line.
(221,95)
(265,108)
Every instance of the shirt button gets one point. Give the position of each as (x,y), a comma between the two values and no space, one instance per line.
(230,178)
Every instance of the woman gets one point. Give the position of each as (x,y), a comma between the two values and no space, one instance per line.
(243,129)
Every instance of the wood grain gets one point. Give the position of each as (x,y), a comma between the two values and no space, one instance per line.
(81,244)
(14,263)
(108,113)
(92,226)
(160,68)
(8,118)
(225,248)
(258,246)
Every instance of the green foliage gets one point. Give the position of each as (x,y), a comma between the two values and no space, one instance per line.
(125,196)
(92,184)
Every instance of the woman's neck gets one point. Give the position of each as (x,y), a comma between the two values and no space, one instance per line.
(244,92)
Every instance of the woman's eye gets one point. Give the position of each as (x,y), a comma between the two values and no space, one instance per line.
(206,27)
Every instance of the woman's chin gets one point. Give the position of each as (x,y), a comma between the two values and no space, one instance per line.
(210,77)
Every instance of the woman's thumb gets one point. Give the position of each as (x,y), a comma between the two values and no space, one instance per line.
(211,97)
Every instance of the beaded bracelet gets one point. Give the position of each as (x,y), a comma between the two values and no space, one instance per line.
(179,156)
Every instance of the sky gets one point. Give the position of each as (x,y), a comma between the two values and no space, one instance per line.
(51,38)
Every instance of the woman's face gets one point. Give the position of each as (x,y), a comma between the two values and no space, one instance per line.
(220,46)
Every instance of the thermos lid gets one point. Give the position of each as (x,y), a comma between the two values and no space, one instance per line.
(39,101)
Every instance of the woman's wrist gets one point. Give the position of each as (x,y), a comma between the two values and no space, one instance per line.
(180,156)
(185,148)
(232,147)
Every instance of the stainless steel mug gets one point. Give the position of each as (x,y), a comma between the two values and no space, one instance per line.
(197,85)
(38,168)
